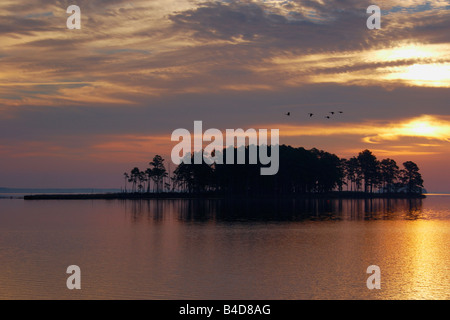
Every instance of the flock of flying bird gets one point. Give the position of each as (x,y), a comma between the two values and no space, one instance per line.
(327,116)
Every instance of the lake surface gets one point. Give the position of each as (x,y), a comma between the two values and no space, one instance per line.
(212,249)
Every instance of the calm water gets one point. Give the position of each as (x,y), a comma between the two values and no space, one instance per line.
(186,249)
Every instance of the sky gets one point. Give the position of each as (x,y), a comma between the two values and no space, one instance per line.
(80,107)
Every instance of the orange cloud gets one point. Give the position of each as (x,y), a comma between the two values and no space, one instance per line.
(425,126)
(424,135)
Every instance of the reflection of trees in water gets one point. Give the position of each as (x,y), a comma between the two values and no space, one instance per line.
(199,210)
(382,209)
(154,210)
(414,209)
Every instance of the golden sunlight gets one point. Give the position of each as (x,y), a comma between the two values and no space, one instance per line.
(409,51)
(425,127)
(436,74)
(421,128)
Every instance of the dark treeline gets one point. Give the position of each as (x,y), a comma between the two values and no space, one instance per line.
(301,171)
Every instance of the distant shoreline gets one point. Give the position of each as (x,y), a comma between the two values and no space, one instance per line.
(175,195)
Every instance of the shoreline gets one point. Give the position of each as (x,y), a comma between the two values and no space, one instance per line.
(174,195)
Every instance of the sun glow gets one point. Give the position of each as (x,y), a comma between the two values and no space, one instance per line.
(405,51)
(421,128)
(408,52)
(424,127)
(436,74)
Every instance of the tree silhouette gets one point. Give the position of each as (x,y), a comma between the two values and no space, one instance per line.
(194,177)
(142,179)
(369,169)
(134,178)
(300,172)
(353,173)
(389,174)
(126,177)
(158,172)
(411,177)
(182,177)
(149,175)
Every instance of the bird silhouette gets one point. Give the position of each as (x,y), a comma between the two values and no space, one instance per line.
(310,114)
(328,117)
(332,112)
(288,114)
(341,111)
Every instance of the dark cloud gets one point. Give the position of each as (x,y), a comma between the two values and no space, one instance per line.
(432,29)
(225,110)
(332,25)
(13,25)
(342,24)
